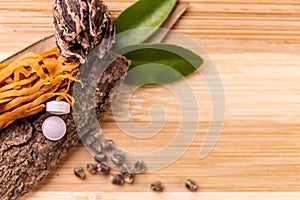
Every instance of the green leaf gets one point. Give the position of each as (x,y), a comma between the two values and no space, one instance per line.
(144,15)
(159,63)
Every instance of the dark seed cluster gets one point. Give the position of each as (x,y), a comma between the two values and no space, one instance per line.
(126,175)
(107,154)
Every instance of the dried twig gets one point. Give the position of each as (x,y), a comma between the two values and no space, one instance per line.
(178,11)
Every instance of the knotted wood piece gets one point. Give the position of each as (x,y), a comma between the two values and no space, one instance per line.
(26,156)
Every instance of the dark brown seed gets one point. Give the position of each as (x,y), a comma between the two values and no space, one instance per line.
(128,177)
(108,145)
(191,185)
(117,157)
(101,157)
(79,172)
(125,168)
(140,167)
(117,179)
(90,140)
(97,147)
(91,168)
(103,168)
(157,186)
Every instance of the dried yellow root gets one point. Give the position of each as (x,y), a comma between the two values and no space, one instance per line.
(28,82)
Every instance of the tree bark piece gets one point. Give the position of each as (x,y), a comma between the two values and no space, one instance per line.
(26,156)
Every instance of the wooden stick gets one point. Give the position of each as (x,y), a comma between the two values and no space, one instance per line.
(178,11)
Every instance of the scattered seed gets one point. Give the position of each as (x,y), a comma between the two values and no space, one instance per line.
(103,168)
(117,179)
(117,157)
(79,172)
(157,186)
(97,147)
(91,168)
(191,185)
(97,133)
(101,157)
(90,140)
(140,167)
(108,145)
(128,177)
(125,168)
(127,173)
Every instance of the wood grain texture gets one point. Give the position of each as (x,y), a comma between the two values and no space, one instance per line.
(255,46)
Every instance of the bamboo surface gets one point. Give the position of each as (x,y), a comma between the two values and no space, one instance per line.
(255,46)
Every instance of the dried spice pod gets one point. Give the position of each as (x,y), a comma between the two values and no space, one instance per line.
(80,25)
(26,156)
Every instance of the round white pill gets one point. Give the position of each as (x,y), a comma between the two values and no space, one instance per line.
(58,107)
(54,128)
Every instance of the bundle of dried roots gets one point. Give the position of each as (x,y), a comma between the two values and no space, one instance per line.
(28,82)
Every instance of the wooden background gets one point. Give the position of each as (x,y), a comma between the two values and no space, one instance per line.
(255,46)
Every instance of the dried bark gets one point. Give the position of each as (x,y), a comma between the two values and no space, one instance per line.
(26,156)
